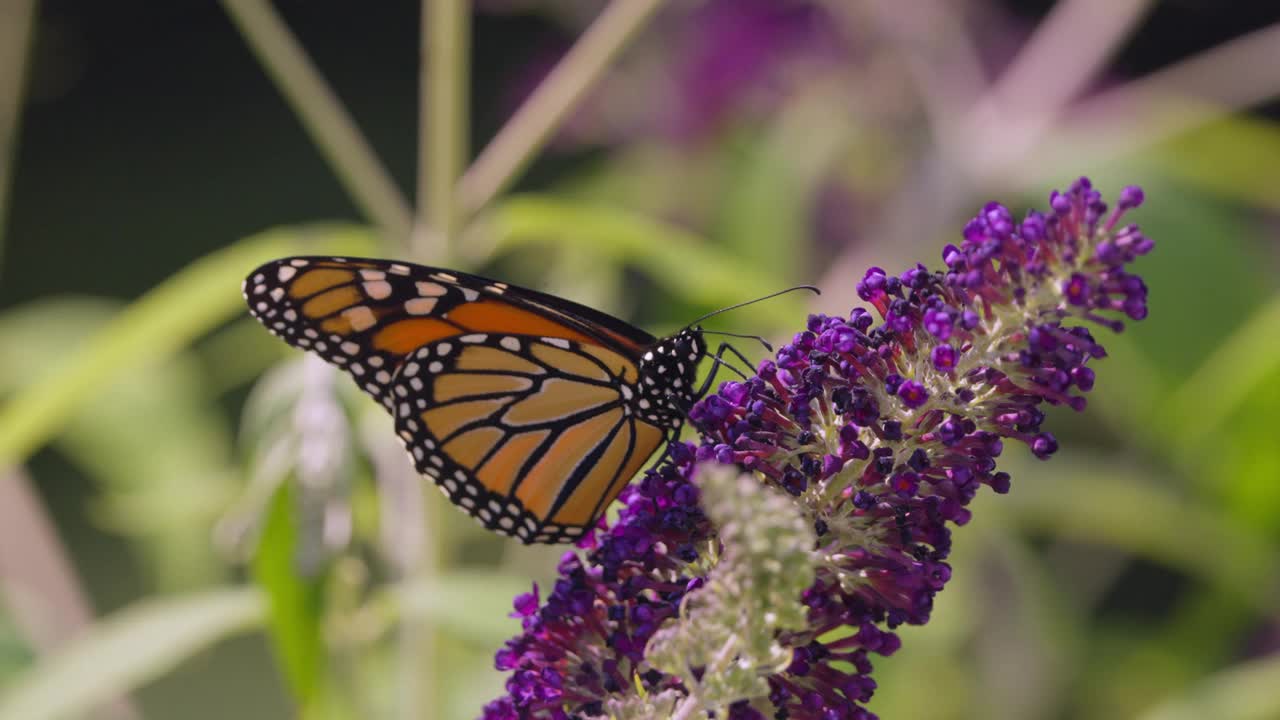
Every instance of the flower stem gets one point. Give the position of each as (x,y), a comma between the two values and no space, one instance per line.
(16,24)
(443,146)
(322,115)
(444,113)
(564,88)
(688,708)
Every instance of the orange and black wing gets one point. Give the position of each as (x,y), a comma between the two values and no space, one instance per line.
(520,405)
(533,436)
(367,315)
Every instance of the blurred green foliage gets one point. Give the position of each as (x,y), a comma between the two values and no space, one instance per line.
(296,600)
(1134,576)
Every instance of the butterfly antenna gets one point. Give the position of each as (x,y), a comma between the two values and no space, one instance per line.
(713,313)
(757,338)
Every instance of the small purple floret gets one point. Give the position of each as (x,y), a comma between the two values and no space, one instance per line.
(944,358)
(526,604)
(912,394)
(939,323)
(1130,197)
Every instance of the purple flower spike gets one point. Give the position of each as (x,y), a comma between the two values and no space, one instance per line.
(881,435)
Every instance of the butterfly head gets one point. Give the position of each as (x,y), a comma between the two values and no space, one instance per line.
(668,372)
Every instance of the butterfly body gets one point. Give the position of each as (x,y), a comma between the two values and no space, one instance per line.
(530,412)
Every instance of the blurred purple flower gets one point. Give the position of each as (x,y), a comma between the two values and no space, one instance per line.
(881,435)
(734,48)
(716,59)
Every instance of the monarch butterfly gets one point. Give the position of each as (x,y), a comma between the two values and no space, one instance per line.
(530,412)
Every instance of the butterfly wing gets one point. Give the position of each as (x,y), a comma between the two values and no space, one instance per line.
(520,405)
(367,315)
(533,436)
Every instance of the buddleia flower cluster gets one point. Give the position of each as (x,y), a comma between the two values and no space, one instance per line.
(876,430)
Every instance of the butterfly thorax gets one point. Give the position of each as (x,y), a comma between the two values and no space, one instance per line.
(668,378)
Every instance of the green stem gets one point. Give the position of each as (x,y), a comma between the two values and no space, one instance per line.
(559,95)
(16,18)
(322,115)
(1224,382)
(416,560)
(443,138)
(419,684)
(443,147)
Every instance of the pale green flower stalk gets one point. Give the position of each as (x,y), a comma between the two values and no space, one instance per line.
(728,629)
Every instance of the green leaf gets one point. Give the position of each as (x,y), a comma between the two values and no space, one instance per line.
(762,213)
(185,306)
(1094,502)
(676,259)
(1241,460)
(1197,239)
(236,355)
(151,437)
(1228,378)
(1234,156)
(14,652)
(772,181)
(472,606)
(295,603)
(143,642)
(1137,661)
(127,649)
(1244,692)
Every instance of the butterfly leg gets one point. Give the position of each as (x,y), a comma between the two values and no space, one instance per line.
(717,361)
(735,351)
(672,436)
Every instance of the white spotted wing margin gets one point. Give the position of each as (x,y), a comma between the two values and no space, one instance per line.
(336,307)
(532,436)
(366,315)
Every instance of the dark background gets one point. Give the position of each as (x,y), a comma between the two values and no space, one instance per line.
(152,136)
